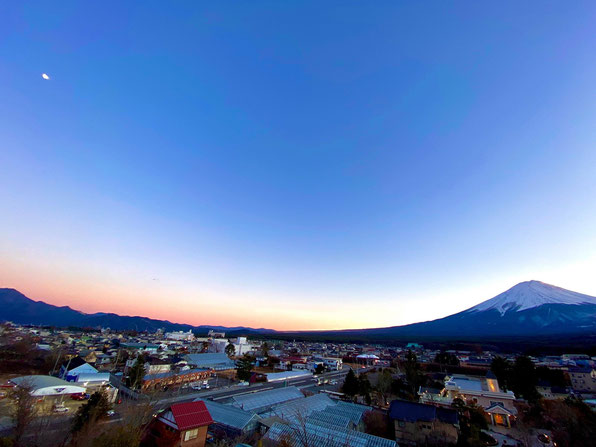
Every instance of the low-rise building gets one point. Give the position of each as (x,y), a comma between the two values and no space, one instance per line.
(583,379)
(482,391)
(422,424)
(181,425)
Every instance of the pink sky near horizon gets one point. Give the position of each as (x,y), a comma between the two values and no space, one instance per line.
(82,290)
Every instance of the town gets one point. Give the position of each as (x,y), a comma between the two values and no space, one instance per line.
(103,387)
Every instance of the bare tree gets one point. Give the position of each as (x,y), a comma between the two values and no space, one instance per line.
(23,411)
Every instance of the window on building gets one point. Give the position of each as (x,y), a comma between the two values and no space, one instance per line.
(401,424)
(191,434)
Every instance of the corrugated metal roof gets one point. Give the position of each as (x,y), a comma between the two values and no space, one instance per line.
(300,409)
(353,412)
(228,415)
(310,434)
(190,415)
(264,400)
(326,417)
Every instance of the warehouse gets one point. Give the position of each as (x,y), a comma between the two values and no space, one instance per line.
(47,385)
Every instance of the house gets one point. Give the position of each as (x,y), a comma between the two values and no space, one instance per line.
(70,369)
(181,425)
(481,391)
(548,391)
(422,424)
(583,379)
(231,422)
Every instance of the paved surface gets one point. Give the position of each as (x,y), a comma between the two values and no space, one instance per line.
(223,394)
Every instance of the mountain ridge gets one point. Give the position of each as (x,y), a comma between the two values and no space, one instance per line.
(530,308)
(18,308)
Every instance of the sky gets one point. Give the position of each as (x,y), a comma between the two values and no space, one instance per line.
(295,165)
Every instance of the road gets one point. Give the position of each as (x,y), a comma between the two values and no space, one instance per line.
(222,394)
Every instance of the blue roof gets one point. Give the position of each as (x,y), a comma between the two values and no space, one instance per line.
(413,411)
(331,419)
(264,400)
(229,415)
(353,412)
(324,436)
(297,409)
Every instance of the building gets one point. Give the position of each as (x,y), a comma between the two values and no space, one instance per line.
(231,422)
(180,335)
(172,378)
(70,369)
(583,379)
(321,434)
(47,385)
(421,424)
(367,359)
(264,400)
(215,361)
(481,391)
(181,425)
(333,363)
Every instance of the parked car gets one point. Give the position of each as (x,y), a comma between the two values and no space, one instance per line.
(244,383)
(111,413)
(60,409)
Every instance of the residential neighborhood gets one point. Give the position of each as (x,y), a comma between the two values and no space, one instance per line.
(266,392)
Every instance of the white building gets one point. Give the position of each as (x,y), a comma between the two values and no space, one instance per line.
(180,336)
(47,385)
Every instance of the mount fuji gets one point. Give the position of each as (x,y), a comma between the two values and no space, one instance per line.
(530,308)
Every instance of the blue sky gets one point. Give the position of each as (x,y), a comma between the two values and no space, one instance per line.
(296,165)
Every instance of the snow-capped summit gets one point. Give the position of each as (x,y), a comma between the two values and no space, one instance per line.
(531,294)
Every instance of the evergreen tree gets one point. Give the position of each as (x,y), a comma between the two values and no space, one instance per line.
(137,372)
(245,365)
(265,349)
(230,349)
(350,386)
(94,409)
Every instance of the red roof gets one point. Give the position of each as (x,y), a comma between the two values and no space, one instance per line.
(191,415)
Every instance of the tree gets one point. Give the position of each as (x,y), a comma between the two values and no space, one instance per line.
(350,386)
(245,365)
(265,349)
(23,411)
(413,372)
(502,369)
(471,421)
(137,372)
(94,409)
(364,388)
(524,378)
(384,385)
(447,359)
(230,349)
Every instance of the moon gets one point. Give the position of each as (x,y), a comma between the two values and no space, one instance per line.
(45,76)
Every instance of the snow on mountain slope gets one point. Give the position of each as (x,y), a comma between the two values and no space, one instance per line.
(531,294)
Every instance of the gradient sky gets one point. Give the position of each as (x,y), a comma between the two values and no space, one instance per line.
(295,165)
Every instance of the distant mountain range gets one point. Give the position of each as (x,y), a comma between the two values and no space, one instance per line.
(529,309)
(16,307)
